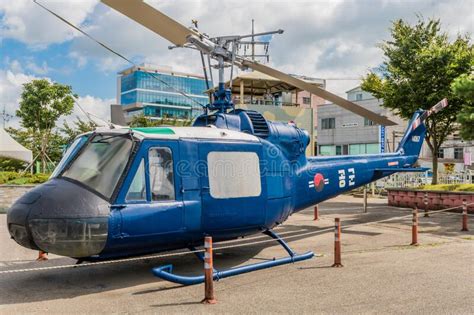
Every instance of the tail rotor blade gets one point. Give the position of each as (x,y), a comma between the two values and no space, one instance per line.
(359,110)
(152,19)
(438,107)
(427,113)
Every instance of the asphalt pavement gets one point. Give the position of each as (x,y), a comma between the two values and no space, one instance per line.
(381,273)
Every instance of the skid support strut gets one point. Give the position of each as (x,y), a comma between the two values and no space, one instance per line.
(166,272)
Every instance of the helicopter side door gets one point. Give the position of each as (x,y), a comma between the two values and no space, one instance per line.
(151,203)
(233,188)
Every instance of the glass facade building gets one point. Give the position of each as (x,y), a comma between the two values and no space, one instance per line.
(156,93)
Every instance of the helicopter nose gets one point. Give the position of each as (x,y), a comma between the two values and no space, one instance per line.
(60,217)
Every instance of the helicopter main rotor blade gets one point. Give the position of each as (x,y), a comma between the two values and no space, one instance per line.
(350,106)
(152,19)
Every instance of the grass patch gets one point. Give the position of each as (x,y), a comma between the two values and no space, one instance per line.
(15,178)
(450,187)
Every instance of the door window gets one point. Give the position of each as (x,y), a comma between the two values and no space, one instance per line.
(161,174)
(137,190)
(234,174)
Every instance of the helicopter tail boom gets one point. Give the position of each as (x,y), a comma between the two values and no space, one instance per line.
(324,177)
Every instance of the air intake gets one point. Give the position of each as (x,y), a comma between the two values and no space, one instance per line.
(259,124)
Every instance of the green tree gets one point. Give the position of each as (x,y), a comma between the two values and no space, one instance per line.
(419,67)
(11,165)
(78,127)
(463,87)
(143,121)
(42,104)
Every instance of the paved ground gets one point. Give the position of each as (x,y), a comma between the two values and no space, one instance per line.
(381,273)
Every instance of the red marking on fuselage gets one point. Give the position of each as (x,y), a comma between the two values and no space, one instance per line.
(318,182)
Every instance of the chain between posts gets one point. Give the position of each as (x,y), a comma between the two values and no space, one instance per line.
(117,261)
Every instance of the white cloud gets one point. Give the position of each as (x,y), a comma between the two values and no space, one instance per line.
(323,39)
(26,22)
(96,106)
(16,66)
(40,70)
(11,86)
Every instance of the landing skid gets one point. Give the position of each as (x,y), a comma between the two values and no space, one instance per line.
(166,272)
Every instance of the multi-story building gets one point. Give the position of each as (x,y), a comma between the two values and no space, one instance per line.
(341,132)
(155,92)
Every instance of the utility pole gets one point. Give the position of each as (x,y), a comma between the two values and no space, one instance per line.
(253,40)
(5,116)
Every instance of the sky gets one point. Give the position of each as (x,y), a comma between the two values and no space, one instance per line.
(329,39)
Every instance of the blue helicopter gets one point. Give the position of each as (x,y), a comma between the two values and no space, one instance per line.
(119,192)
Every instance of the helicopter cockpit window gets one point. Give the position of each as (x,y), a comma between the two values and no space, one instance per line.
(161,174)
(101,163)
(70,152)
(137,190)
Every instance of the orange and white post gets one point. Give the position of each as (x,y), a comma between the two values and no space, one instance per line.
(42,256)
(208,272)
(414,227)
(425,202)
(464,216)
(316,213)
(337,243)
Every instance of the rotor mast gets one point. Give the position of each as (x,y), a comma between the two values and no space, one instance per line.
(227,57)
(219,48)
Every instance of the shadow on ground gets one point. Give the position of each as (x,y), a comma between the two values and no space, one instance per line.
(34,286)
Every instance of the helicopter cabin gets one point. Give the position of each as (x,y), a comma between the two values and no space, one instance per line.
(175,183)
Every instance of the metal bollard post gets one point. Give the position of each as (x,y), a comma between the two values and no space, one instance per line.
(464,216)
(42,256)
(414,228)
(316,213)
(425,201)
(208,273)
(365,199)
(337,243)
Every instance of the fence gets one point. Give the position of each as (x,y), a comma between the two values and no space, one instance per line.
(414,180)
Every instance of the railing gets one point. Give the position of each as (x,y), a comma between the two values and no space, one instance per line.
(413,180)
(266,102)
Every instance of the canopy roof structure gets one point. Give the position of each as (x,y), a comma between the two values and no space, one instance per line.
(258,83)
(11,149)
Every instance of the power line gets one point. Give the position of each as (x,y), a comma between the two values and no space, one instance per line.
(115,52)
(342,79)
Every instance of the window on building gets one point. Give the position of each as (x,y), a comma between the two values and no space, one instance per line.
(161,174)
(307,100)
(327,150)
(359,97)
(372,148)
(364,148)
(234,174)
(368,122)
(137,189)
(338,150)
(458,153)
(328,123)
(441,153)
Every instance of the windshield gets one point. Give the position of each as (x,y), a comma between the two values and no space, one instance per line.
(70,152)
(101,163)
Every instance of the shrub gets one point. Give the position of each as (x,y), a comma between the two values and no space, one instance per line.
(450,187)
(14,178)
